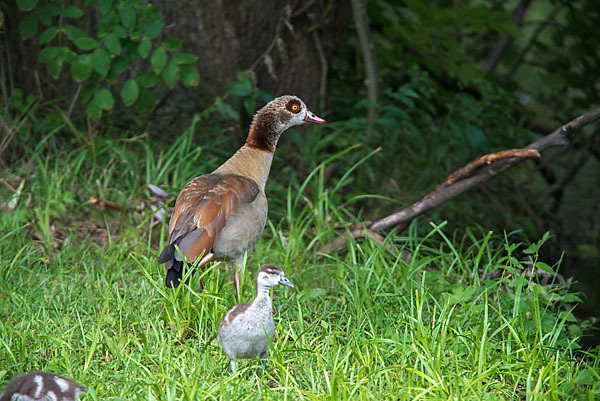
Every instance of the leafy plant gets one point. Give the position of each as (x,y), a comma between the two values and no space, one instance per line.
(125,53)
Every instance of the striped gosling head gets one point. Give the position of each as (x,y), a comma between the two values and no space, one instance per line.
(271,275)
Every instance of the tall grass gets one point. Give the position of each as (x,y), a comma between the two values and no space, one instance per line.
(362,323)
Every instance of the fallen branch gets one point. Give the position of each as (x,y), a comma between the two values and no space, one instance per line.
(102,204)
(559,137)
(462,180)
(483,160)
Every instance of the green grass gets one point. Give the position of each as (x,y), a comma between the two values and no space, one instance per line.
(362,323)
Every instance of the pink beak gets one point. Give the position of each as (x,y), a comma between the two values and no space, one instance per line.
(311,118)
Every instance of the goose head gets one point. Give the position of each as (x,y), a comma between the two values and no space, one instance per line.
(275,117)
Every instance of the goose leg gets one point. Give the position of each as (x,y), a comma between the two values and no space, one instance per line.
(232,365)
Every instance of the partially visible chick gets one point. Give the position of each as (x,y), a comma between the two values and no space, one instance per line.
(246,329)
(42,386)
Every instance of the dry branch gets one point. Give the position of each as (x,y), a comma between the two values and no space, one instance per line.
(102,204)
(486,160)
(461,180)
(559,137)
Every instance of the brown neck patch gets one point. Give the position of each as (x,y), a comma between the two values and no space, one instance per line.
(264,131)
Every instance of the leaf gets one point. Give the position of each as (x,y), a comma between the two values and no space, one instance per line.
(48,34)
(120,31)
(101,61)
(226,110)
(158,60)
(1,18)
(104,99)
(72,12)
(145,101)
(130,92)
(407,91)
(172,43)
(48,53)
(46,12)
(93,110)
(153,29)
(533,248)
(585,378)
(27,5)
(73,32)
(127,16)
(82,68)
(241,88)
(476,137)
(69,55)
(55,67)
(86,43)
(28,27)
(119,65)
(105,6)
(171,74)
(571,298)
(148,80)
(189,75)
(87,92)
(543,266)
(145,47)
(185,58)
(113,44)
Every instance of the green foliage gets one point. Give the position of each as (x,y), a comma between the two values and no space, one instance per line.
(110,59)
(364,322)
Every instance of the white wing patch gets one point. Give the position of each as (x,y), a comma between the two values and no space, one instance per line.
(39,380)
(50,396)
(62,384)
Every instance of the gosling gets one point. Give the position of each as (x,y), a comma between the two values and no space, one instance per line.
(246,330)
(42,386)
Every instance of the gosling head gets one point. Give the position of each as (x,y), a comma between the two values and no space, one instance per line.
(271,275)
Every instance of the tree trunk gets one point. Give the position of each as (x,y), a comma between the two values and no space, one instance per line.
(273,38)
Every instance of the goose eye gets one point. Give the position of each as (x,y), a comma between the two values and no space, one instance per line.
(293,106)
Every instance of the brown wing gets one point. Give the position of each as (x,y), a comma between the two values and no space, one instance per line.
(232,314)
(201,211)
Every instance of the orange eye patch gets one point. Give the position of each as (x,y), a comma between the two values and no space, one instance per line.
(294,106)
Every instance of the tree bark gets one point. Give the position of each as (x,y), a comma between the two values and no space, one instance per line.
(275,37)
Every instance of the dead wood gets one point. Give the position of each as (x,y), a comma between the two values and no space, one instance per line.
(558,137)
(486,160)
(103,204)
(488,166)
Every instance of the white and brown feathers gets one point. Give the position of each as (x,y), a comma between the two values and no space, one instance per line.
(221,215)
(42,386)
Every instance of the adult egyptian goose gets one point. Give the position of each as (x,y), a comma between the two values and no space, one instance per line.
(246,330)
(42,386)
(221,215)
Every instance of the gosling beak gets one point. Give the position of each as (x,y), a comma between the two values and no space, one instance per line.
(283,280)
(311,118)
